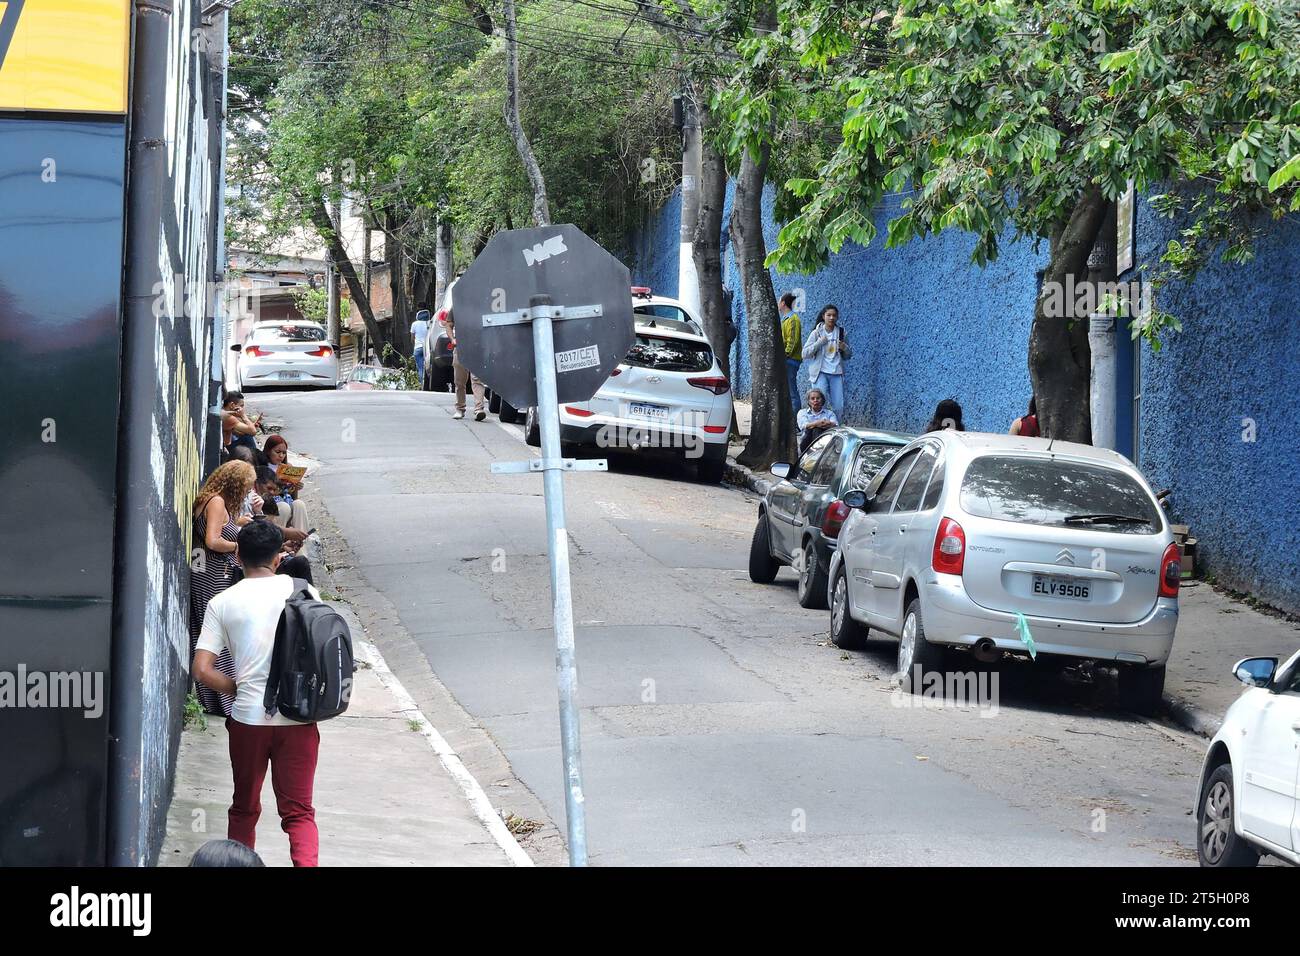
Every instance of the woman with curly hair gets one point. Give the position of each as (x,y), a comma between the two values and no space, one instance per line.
(216,526)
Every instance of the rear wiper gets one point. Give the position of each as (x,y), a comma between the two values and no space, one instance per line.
(1106,519)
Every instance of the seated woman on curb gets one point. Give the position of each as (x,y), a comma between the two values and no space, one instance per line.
(814,419)
(294,512)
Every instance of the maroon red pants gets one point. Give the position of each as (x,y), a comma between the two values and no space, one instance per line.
(291,752)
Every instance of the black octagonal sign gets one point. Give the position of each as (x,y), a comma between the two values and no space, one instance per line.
(565,264)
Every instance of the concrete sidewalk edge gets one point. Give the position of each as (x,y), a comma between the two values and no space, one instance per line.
(1187,715)
(450,760)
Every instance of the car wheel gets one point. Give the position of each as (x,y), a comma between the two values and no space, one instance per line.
(846,633)
(532,428)
(762,566)
(1217,841)
(710,469)
(508,413)
(812,579)
(441,379)
(916,656)
(1141,688)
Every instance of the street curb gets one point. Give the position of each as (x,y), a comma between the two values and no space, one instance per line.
(1191,717)
(737,474)
(1187,715)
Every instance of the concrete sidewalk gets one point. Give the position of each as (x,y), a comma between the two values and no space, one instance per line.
(1214,631)
(389,791)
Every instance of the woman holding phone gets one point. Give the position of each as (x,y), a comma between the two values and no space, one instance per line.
(826,351)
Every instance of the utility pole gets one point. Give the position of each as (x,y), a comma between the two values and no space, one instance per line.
(688,280)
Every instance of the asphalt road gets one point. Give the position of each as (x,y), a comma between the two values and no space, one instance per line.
(718,725)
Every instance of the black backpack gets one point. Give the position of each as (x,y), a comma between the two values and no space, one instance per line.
(311,665)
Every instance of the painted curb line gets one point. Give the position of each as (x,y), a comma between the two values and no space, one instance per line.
(451,762)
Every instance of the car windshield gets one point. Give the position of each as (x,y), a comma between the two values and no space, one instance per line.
(669,355)
(1049,491)
(366,373)
(668,317)
(871,458)
(287,333)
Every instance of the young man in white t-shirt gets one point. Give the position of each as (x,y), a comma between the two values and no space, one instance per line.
(243,618)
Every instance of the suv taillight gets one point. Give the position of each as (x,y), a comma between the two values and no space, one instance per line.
(834,519)
(949,548)
(717,384)
(1171,571)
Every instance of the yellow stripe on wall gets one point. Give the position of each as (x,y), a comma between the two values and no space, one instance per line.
(68,55)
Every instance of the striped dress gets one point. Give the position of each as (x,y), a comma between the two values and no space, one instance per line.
(208,578)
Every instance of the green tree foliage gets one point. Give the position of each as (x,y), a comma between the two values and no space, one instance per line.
(998,117)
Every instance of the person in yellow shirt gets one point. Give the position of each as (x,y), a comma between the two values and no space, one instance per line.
(792,338)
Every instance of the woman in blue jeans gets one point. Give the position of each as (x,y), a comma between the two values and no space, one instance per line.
(826,352)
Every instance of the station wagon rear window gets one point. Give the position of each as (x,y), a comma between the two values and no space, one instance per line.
(1057,493)
(669,355)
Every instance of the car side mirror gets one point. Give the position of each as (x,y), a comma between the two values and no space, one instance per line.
(1255,671)
(236,347)
(856,498)
(781,469)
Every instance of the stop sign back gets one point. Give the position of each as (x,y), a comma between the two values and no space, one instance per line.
(576,272)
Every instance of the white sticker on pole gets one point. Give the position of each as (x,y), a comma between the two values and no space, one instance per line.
(574,359)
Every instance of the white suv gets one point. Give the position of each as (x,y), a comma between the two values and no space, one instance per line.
(668,393)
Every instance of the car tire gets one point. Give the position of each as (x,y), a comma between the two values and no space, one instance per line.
(914,650)
(762,566)
(532,428)
(508,413)
(846,633)
(440,379)
(709,469)
(1141,688)
(1217,842)
(812,579)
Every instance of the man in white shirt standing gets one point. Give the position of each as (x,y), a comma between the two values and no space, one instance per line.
(420,329)
(244,618)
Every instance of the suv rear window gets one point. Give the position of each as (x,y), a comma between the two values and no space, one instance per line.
(667,317)
(288,333)
(1058,493)
(669,355)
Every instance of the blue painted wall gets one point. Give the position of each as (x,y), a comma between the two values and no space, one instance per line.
(1220,416)
(926,325)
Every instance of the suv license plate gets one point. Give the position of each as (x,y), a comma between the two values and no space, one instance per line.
(643,410)
(1069,588)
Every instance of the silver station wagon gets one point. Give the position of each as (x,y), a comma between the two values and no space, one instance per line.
(999,544)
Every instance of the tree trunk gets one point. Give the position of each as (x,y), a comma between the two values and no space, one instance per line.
(315,206)
(399,290)
(1060,363)
(541,207)
(706,245)
(442,263)
(771,431)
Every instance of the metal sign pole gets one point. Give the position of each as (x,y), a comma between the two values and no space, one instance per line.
(566,670)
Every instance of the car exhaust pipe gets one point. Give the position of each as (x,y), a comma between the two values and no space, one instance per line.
(985,651)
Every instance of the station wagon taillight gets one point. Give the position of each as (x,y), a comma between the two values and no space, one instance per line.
(717,384)
(1171,571)
(949,548)
(834,519)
